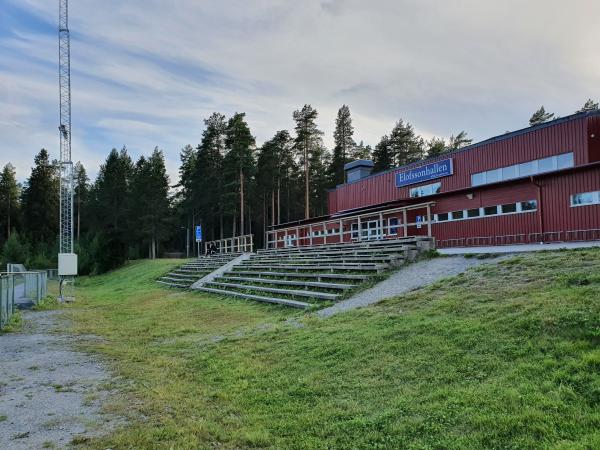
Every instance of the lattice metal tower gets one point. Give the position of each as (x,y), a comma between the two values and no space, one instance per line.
(67,260)
(66,165)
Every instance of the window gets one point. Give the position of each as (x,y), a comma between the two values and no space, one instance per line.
(473,212)
(490,210)
(523,170)
(477,179)
(393,225)
(564,161)
(428,189)
(527,169)
(493,176)
(510,172)
(457,215)
(354,231)
(585,198)
(546,164)
(530,205)
(509,208)
(443,217)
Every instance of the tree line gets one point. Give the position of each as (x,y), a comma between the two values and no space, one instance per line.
(226,183)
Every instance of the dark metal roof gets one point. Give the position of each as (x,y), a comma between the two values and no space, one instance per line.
(359,163)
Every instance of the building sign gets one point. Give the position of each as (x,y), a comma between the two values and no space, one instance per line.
(428,172)
(198,233)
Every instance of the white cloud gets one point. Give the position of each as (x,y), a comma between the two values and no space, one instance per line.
(145,73)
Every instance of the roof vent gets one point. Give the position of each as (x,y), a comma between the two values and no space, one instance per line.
(357,170)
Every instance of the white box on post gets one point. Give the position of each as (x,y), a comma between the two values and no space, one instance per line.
(67,264)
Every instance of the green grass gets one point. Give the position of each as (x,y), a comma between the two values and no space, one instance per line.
(504,356)
(14,324)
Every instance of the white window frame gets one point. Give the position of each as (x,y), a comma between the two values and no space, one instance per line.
(595,199)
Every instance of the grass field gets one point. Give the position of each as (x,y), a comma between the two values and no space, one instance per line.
(504,356)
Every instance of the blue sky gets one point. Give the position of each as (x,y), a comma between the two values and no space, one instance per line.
(146,73)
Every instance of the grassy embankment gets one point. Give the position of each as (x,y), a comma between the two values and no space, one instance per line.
(504,356)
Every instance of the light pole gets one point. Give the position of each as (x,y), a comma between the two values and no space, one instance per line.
(187,241)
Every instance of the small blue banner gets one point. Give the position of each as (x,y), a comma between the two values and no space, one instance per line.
(431,171)
(198,233)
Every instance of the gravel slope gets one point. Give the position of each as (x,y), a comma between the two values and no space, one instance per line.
(410,277)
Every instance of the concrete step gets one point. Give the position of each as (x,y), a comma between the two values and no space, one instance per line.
(325,268)
(324,260)
(306,284)
(318,276)
(177,285)
(178,280)
(291,292)
(260,298)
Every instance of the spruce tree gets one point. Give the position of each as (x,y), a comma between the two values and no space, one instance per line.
(40,202)
(343,147)
(540,116)
(81,194)
(151,215)
(590,105)
(238,168)
(206,179)
(383,158)
(307,143)
(405,145)
(110,204)
(9,202)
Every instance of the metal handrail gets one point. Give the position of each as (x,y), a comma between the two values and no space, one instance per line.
(236,244)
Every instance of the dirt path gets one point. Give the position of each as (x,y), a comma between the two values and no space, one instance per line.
(49,393)
(409,278)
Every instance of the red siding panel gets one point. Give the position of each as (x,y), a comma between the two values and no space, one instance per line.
(562,137)
(594,138)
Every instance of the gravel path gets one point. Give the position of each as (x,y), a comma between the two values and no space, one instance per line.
(409,278)
(49,393)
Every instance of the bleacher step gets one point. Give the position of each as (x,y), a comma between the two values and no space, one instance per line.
(260,298)
(296,292)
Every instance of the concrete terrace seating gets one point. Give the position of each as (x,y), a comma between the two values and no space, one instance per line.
(190,272)
(306,277)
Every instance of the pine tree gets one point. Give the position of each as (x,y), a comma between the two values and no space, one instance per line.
(40,201)
(238,167)
(344,144)
(459,141)
(405,146)
(306,144)
(540,116)
(81,194)
(383,158)
(590,105)
(9,201)
(361,151)
(435,147)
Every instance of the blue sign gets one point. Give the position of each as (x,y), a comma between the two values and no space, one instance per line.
(431,171)
(419,221)
(198,233)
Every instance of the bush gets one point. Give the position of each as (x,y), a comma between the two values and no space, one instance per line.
(15,250)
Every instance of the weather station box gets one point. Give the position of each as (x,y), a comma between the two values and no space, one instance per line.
(67,264)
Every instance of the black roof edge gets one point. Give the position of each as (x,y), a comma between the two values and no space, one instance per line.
(491,140)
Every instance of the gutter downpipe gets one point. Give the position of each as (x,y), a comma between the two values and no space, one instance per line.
(540,209)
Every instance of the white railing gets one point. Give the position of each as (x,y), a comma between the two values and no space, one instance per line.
(387,224)
(237,244)
(517,239)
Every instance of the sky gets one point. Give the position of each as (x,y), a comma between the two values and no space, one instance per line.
(145,73)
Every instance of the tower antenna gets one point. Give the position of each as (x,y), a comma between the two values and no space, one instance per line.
(67,259)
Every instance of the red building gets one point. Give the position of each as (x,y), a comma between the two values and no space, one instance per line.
(539,184)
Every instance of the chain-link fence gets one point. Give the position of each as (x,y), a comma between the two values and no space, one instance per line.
(7,299)
(20,289)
